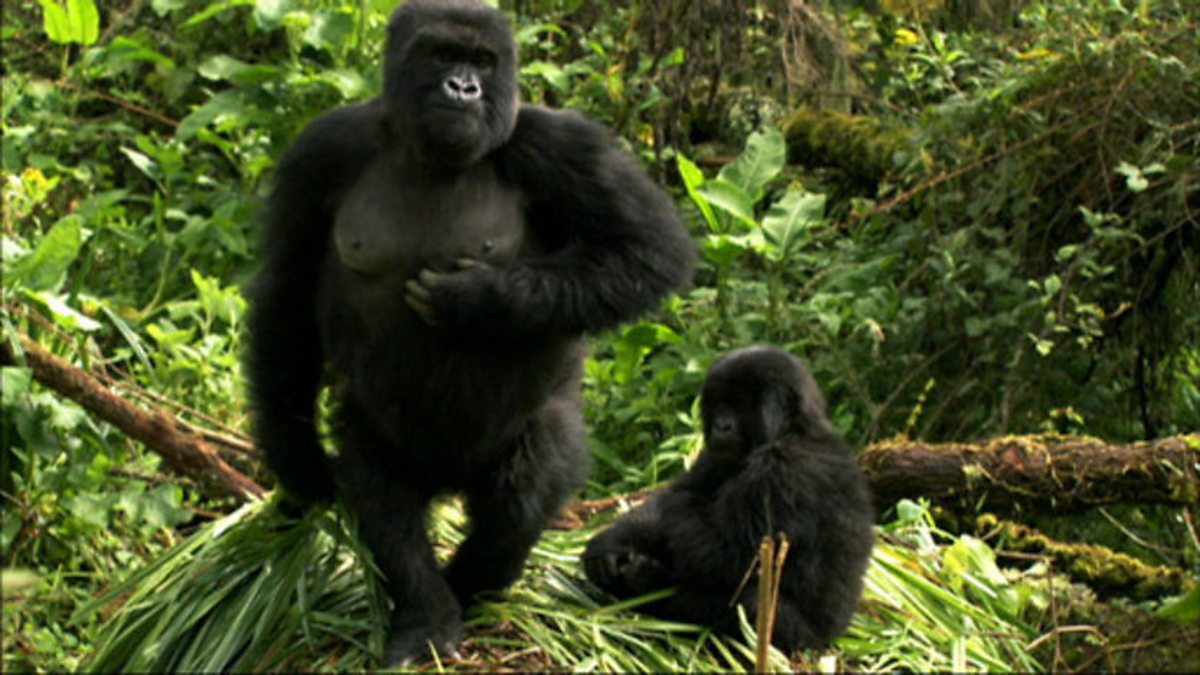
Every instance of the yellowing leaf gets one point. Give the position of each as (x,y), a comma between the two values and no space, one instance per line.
(1035,53)
(905,36)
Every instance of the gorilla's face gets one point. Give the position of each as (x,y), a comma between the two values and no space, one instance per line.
(756,395)
(450,80)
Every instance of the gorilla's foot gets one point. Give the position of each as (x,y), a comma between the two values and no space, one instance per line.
(420,643)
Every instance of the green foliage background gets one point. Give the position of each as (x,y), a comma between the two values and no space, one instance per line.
(1010,245)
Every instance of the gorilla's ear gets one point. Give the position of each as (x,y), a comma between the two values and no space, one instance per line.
(780,408)
(808,408)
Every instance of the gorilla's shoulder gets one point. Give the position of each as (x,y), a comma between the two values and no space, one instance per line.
(339,137)
(562,134)
(554,152)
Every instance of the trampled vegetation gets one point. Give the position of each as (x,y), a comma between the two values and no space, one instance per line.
(973,219)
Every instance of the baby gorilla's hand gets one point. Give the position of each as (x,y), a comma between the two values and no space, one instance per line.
(626,572)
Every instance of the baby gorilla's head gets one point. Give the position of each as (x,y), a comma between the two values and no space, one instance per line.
(756,395)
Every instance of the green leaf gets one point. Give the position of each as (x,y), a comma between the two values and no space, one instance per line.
(721,249)
(215,8)
(55,22)
(78,22)
(1185,610)
(759,163)
(267,13)
(693,178)
(729,198)
(975,326)
(1134,179)
(224,107)
(14,384)
(790,219)
(552,73)
(164,7)
(47,266)
(63,314)
(159,507)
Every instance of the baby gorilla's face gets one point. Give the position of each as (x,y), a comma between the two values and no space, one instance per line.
(740,424)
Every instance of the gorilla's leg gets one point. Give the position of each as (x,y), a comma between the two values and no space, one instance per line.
(514,502)
(391,520)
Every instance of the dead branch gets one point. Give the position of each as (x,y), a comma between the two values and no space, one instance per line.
(183,451)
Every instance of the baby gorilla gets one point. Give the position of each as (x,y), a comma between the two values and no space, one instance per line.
(772,463)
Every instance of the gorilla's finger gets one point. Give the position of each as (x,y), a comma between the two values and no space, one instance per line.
(422,308)
(429,277)
(417,291)
(470,264)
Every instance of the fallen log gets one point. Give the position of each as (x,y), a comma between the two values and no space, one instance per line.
(862,147)
(1041,472)
(183,451)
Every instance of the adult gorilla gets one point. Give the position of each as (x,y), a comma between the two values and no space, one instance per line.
(440,251)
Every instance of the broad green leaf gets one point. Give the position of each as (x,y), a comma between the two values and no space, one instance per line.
(78,22)
(759,163)
(224,107)
(63,314)
(721,249)
(127,50)
(14,384)
(693,178)
(267,13)
(552,73)
(85,21)
(55,22)
(1185,610)
(47,265)
(729,198)
(349,83)
(790,219)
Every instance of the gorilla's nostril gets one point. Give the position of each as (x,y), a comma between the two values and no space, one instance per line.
(462,87)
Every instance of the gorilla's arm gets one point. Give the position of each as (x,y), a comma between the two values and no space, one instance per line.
(631,558)
(617,245)
(284,359)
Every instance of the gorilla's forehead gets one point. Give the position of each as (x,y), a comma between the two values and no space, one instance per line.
(447,15)
(762,363)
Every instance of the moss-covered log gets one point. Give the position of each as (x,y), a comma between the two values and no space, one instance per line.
(1106,571)
(863,147)
(1040,472)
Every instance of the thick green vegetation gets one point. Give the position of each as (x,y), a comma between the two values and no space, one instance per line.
(970,218)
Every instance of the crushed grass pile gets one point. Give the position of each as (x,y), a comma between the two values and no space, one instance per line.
(256,591)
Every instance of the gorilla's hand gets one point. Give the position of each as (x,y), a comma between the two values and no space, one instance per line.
(626,572)
(440,297)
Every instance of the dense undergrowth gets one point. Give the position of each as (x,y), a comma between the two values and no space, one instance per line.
(1022,255)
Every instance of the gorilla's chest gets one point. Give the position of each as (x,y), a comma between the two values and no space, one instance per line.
(390,224)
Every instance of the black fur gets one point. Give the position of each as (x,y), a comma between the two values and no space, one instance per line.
(440,251)
(771,463)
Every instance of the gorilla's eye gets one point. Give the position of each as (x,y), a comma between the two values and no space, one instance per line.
(483,58)
(724,424)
